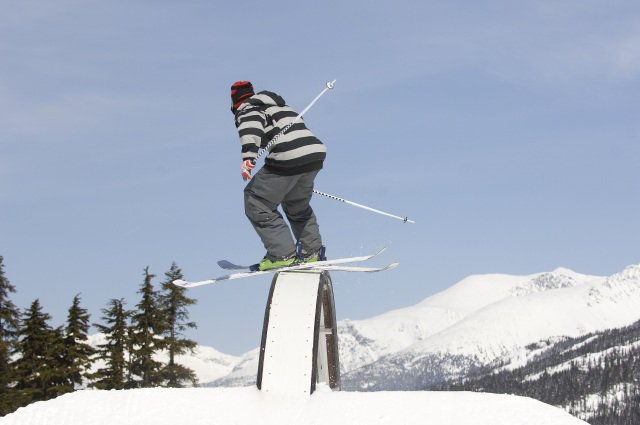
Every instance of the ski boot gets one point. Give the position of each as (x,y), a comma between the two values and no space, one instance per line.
(306,257)
(268,264)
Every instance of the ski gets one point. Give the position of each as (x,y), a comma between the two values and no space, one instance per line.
(308,268)
(228,265)
(304,266)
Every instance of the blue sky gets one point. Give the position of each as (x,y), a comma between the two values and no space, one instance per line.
(509,131)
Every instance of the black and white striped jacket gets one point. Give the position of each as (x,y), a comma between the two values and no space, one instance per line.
(261,118)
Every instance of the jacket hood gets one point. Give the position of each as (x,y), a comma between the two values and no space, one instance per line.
(265,98)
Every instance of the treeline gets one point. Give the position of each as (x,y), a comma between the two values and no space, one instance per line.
(39,362)
(595,377)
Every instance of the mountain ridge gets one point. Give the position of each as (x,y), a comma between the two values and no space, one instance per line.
(481,320)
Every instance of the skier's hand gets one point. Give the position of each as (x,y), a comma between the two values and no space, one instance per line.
(245,169)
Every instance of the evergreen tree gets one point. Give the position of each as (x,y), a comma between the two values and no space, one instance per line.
(113,376)
(40,348)
(9,324)
(174,303)
(56,375)
(77,353)
(147,327)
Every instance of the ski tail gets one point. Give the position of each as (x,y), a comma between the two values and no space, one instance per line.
(228,265)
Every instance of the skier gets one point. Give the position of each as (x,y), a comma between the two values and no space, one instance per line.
(286,178)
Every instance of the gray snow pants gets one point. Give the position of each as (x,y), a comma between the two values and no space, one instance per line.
(262,196)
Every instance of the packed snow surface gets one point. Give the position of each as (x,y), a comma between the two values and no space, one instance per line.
(248,405)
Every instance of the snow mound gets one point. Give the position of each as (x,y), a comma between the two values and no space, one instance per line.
(247,405)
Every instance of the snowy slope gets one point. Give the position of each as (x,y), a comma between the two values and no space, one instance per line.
(247,405)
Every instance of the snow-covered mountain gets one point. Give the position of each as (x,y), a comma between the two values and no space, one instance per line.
(500,316)
(481,320)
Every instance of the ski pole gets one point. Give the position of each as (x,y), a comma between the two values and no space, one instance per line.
(269,146)
(336,198)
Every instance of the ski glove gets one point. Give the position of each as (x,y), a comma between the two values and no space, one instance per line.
(245,169)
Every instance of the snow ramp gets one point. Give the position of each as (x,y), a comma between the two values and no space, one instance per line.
(249,406)
(299,345)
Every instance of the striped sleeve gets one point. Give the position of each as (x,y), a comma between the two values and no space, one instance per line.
(250,126)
